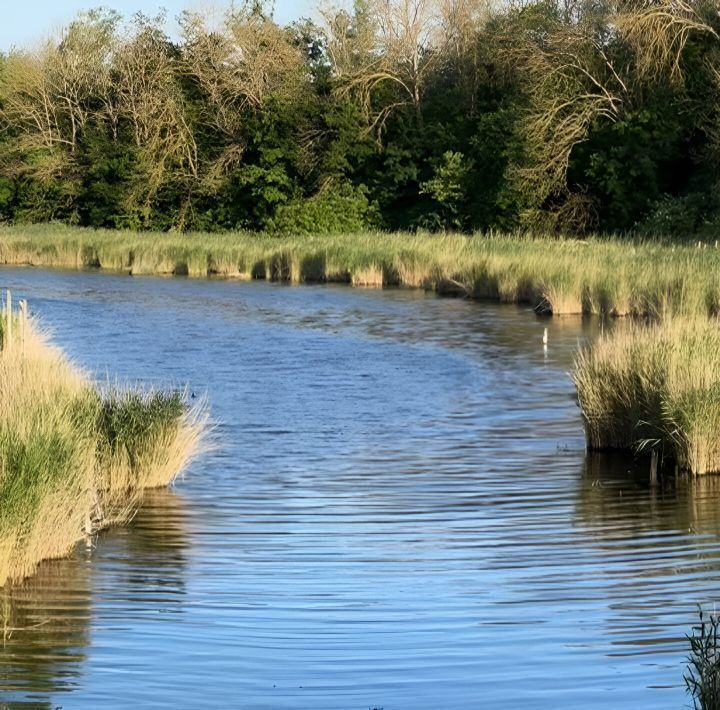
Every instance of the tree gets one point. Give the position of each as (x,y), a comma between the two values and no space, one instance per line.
(151,104)
(384,52)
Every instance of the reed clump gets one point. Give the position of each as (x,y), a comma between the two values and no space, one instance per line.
(604,276)
(74,459)
(145,438)
(643,386)
(702,678)
(655,385)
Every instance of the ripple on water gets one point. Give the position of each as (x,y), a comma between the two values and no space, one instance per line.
(400,515)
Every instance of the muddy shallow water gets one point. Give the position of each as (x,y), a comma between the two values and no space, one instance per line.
(399,514)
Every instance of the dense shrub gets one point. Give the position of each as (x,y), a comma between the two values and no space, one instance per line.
(336,210)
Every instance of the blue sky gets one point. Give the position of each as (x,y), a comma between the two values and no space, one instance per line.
(26,20)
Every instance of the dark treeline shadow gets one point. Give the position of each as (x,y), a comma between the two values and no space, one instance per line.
(47,619)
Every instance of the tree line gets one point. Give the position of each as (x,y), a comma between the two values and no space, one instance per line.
(546,115)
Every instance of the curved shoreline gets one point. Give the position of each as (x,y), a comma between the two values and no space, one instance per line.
(75,459)
(609,276)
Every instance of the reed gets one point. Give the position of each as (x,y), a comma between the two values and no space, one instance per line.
(560,276)
(74,459)
(702,678)
(643,386)
(655,385)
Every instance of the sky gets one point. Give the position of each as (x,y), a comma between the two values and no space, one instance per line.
(24,21)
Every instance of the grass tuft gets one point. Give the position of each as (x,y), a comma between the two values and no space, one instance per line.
(655,385)
(702,679)
(73,459)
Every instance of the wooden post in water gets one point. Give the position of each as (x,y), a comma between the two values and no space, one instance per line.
(7,345)
(653,468)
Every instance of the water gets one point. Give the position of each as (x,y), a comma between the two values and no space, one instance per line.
(399,515)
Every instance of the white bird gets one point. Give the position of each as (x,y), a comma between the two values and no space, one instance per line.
(545,338)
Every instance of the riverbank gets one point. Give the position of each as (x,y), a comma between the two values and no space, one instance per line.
(75,458)
(655,387)
(563,277)
(630,389)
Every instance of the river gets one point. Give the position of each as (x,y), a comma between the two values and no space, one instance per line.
(398,514)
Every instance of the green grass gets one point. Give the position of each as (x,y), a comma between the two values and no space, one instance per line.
(702,678)
(655,386)
(74,459)
(640,387)
(594,276)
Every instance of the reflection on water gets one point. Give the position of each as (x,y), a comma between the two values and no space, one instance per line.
(150,553)
(619,503)
(400,515)
(659,549)
(46,628)
(47,619)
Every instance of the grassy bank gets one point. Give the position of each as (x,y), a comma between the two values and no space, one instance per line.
(597,276)
(655,386)
(652,387)
(74,459)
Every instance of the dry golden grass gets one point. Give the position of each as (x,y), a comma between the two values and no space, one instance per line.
(64,472)
(657,386)
(370,276)
(560,276)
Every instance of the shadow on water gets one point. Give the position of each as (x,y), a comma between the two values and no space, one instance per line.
(655,552)
(46,620)
(618,501)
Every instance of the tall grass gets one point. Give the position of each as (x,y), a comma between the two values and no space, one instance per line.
(72,458)
(144,438)
(655,385)
(702,679)
(596,276)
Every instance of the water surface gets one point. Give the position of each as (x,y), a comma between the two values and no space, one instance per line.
(400,514)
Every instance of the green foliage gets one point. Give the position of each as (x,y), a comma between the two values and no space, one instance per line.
(630,164)
(337,210)
(702,679)
(163,134)
(680,217)
(449,187)
(7,192)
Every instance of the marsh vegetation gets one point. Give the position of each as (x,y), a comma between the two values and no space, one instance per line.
(600,276)
(75,458)
(653,385)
